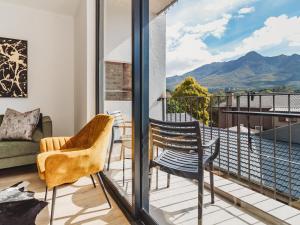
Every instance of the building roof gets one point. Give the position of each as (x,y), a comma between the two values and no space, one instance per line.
(263,168)
(283,133)
(243,129)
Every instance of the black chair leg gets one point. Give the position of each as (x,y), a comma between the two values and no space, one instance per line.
(103,188)
(123,152)
(46,193)
(212,189)
(200,197)
(156,170)
(53,205)
(110,149)
(92,178)
(168,180)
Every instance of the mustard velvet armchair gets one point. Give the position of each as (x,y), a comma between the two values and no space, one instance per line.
(64,160)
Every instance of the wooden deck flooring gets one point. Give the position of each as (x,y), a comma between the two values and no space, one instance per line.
(76,204)
(177,205)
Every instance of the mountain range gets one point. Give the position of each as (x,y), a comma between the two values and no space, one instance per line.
(249,71)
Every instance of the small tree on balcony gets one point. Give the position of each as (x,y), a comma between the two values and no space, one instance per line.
(189,96)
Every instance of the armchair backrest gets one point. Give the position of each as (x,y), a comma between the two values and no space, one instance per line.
(95,137)
(91,134)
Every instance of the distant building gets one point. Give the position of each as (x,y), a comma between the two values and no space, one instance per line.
(278,103)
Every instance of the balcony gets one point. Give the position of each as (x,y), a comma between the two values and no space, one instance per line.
(256,174)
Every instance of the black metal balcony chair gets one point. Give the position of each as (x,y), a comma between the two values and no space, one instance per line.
(182,150)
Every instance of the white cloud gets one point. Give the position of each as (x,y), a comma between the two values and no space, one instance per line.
(189,53)
(281,31)
(214,28)
(189,50)
(185,46)
(199,19)
(203,11)
(246,10)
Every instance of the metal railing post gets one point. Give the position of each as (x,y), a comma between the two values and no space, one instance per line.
(260,145)
(249,139)
(274,150)
(164,105)
(290,149)
(238,138)
(227,129)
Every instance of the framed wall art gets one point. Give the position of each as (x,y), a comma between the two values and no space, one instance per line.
(13,68)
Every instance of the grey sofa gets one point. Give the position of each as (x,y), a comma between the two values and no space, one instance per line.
(19,153)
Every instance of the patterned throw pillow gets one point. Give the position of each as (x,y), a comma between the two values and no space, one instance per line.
(19,126)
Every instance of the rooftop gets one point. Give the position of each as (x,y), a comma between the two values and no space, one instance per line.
(257,163)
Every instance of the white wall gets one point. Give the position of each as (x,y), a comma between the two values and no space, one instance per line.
(117,31)
(118,49)
(50,63)
(84,32)
(157,64)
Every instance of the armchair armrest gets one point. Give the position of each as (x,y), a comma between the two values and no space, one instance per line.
(54,143)
(47,126)
(65,167)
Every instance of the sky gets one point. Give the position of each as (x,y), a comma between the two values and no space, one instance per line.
(205,31)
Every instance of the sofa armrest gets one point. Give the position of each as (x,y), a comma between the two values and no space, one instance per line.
(47,126)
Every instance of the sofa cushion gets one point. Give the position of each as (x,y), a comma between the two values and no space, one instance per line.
(19,126)
(17,148)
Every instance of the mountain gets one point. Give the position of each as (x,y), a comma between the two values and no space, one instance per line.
(249,71)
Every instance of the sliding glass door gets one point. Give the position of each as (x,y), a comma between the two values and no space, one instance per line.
(123,43)
(117,77)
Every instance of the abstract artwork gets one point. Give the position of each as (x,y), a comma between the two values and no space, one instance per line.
(13,68)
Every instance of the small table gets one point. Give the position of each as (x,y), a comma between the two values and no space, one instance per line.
(19,207)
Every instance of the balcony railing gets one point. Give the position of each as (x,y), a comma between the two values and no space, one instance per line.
(260,138)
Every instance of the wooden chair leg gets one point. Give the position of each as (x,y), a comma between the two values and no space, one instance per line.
(46,193)
(212,189)
(150,177)
(122,153)
(156,178)
(103,188)
(53,205)
(92,178)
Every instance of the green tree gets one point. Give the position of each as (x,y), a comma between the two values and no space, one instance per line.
(189,96)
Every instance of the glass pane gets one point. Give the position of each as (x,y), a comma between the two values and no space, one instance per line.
(225,71)
(118,92)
